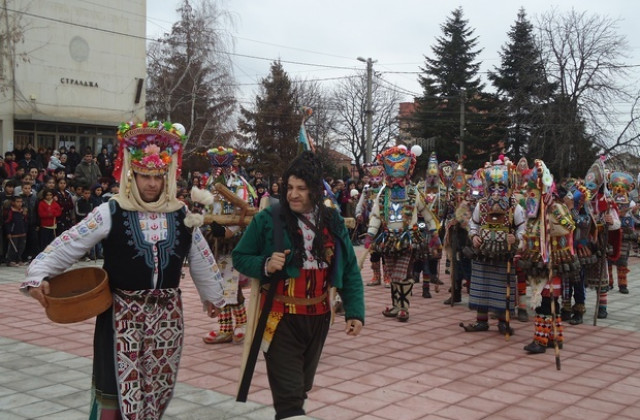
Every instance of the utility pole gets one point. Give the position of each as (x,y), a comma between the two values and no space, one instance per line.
(462,100)
(369,110)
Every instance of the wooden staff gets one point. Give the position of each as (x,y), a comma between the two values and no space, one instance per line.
(507,315)
(364,256)
(234,199)
(550,280)
(227,219)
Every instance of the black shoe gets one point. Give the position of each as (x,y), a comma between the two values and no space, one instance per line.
(535,348)
(426,293)
(457,299)
(602,313)
(502,327)
(476,326)
(523,316)
(552,345)
(565,315)
(576,319)
(624,290)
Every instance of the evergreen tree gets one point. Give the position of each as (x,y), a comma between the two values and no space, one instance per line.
(451,76)
(563,141)
(522,85)
(190,79)
(270,132)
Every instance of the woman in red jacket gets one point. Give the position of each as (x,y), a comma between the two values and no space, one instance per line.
(48,210)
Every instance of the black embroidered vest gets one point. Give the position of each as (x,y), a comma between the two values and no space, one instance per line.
(129,260)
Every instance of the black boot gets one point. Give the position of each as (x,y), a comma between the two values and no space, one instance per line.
(565,314)
(624,290)
(576,319)
(426,293)
(552,344)
(502,327)
(602,312)
(457,298)
(535,348)
(476,326)
(523,316)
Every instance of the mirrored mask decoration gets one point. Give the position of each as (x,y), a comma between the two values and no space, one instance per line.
(398,164)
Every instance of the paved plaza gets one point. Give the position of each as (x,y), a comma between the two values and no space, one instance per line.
(427,368)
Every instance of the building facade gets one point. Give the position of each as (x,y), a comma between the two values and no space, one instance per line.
(76,74)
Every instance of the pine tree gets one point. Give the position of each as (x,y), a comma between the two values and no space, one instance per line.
(522,85)
(450,76)
(271,130)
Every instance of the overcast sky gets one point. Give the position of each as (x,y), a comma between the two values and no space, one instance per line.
(396,33)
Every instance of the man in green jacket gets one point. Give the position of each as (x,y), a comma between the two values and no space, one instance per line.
(317,255)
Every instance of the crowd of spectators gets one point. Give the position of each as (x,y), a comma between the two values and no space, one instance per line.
(45,192)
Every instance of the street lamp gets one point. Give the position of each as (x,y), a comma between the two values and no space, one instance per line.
(368,111)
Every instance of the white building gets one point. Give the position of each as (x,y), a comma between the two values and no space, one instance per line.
(83,75)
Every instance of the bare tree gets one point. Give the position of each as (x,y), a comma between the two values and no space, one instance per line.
(584,56)
(311,94)
(349,101)
(190,78)
(11,34)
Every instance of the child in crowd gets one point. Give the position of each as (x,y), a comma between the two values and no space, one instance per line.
(15,227)
(96,195)
(30,203)
(48,210)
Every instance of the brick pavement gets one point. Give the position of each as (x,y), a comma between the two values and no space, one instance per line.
(427,368)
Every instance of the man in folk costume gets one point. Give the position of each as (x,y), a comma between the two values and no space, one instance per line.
(456,238)
(316,254)
(604,233)
(620,185)
(369,195)
(577,201)
(427,263)
(495,229)
(147,235)
(393,226)
(548,256)
(233,316)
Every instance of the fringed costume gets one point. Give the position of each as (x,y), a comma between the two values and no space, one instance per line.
(548,257)
(621,184)
(375,172)
(393,227)
(496,227)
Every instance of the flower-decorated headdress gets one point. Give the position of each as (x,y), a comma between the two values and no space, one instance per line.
(398,163)
(150,148)
(222,157)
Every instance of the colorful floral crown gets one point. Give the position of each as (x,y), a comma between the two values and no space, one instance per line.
(222,157)
(152,146)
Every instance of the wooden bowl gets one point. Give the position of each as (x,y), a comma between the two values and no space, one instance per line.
(77,295)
